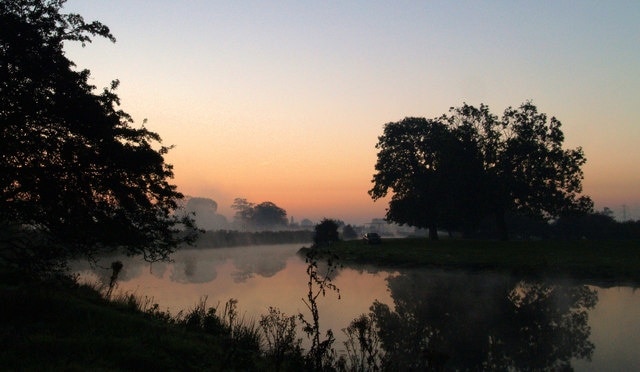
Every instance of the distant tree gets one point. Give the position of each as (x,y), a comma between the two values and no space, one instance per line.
(198,203)
(348,232)
(205,213)
(326,232)
(263,216)
(607,212)
(74,169)
(596,225)
(268,216)
(306,223)
(453,171)
(244,211)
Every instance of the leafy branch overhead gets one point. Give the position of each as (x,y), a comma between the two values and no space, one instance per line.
(74,168)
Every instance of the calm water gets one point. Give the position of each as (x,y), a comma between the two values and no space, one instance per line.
(470,318)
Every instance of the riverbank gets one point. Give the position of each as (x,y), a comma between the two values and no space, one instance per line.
(57,325)
(60,325)
(610,262)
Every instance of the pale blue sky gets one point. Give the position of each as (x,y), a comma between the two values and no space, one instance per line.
(284,100)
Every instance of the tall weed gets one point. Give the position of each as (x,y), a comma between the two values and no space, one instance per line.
(280,340)
(321,355)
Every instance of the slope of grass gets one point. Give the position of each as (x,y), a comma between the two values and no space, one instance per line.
(62,326)
(610,261)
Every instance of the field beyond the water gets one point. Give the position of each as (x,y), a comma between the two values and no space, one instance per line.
(609,261)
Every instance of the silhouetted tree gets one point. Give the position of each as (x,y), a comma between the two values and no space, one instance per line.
(597,225)
(74,169)
(268,216)
(409,163)
(263,216)
(454,170)
(205,211)
(534,174)
(348,232)
(326,232)
(306,223)
(244,210)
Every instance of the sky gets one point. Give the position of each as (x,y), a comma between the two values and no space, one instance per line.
(283,101)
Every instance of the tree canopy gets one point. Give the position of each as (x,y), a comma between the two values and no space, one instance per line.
(326,232)
(455,170)
(75,170)
(263,216)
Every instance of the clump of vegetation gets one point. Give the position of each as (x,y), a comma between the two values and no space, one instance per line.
(326,232)
(349,232)
(364,351)
(281,344)
(240,339)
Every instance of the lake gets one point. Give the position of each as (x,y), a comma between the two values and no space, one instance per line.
(459,318)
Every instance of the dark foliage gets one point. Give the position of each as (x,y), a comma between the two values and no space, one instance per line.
(263,216)
(326,232)
(454,171)
(348,232)
(594,226)
(444,322)
(74,169)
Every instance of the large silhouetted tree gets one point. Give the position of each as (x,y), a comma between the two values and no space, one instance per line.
(452,171)
(411,163)
(75,172)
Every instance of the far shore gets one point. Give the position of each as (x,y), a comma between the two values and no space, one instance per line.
(605,262)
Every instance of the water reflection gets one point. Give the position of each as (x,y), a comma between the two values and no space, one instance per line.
(200,265)
(459,321)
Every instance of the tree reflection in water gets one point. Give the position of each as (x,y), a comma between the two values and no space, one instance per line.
(489,322)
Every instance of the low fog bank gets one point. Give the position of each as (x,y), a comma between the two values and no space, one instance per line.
(267,223)
(234,238)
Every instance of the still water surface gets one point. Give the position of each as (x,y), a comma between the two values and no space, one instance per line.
(470,318)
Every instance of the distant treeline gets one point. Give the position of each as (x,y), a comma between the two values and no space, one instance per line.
(596,226)
(233,238)
(599,225)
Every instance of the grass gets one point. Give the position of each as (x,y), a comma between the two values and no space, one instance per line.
(610,261)
(59,325)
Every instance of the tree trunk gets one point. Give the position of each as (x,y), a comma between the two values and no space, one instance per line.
(501,225)
(433,232)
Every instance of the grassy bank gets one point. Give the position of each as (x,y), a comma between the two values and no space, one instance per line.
(613,261)
(58,325)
